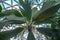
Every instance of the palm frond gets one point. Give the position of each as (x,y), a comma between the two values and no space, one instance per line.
(8,34)
(30,36)
(48,31)
(48,9)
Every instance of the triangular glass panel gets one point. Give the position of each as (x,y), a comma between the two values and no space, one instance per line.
(8,1)
(6,5)
(15,3)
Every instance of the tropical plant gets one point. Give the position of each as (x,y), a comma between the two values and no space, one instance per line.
(30,17)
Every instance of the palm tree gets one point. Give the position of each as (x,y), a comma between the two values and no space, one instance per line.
(30,17)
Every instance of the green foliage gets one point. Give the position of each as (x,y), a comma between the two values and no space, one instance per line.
(47,11)
(0,8)
(31,16)
(10,12)
(30,36)
(7,22)
(26,10)
(8,34)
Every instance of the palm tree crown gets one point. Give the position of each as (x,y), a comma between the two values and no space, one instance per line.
(30,17)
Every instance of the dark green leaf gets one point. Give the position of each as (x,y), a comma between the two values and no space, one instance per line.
(43,22)
(31,36)
(7,22)
(0,8)
(17,13)
(8,34)
(48,9)
(22,3)
(48,31)
(10,12)
(26,9)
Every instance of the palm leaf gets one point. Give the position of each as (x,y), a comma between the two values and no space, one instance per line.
(10,12)
(48,9)
(11,19)
(48,31)
(8,34)
(47,21)
(30,36)
(34,12)
(26,9)
(7,22)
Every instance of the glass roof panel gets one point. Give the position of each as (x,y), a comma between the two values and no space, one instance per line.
(9,4)
(12,4)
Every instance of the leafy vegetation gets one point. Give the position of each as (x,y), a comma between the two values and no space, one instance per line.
(31,17)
